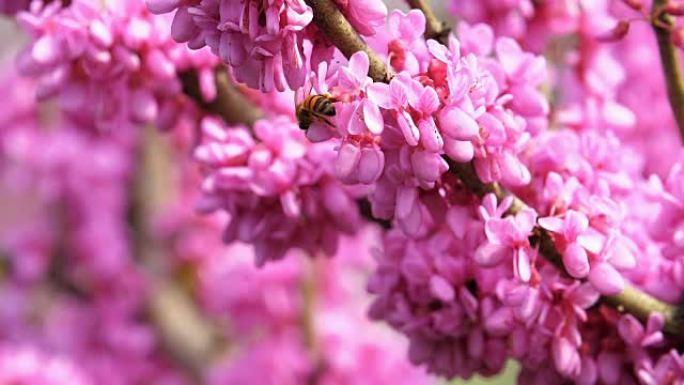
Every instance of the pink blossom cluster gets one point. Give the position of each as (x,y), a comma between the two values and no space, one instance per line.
(270,45)
(465,283)
(110,64)
(477,99)
(605,86)
(666,226)
(473,292)
(525,20)
(462,279)
(277,188)
(654,133)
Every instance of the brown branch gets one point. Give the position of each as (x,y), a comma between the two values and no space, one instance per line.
(434,27)
(631,300)
(670,59)
(332,23)
(230,103)
(184,333)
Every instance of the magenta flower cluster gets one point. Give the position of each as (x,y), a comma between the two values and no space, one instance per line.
(277,188)
(271,45)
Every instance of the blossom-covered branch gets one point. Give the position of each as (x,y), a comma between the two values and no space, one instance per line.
(330,20)
(670,58)
(630,300)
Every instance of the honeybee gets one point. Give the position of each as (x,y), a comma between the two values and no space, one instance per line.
(315,108)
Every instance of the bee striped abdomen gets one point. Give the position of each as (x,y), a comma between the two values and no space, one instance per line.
(323,105)
(315,107)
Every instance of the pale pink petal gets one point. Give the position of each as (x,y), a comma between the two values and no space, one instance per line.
(428,102)
(379,93)
(521,263)
(460,151)
(565,356)
(371,165)
(359,64)
(592,241)
(408,128)
(439,51)
(319,132)
(373,117)
(491,254)
(509,54)
(429,135)
(575,224)
(428,166)
(621,256)
(455,123)
(553,224)
(441,288)
(347,160)
(576,261)
(162,6)
(606,279)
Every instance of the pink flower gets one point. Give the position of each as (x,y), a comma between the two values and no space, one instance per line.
(508,238)
(579,239)
(407,44)
(395,96)
(634,333)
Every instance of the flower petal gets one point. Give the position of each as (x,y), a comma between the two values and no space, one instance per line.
(606,279)
(576,261)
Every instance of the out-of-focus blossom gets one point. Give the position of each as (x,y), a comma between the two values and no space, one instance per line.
(25,365)
(110,64)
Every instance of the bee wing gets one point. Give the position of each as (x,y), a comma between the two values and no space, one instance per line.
(303,91)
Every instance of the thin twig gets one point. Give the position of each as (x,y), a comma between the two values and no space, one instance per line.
(434,27)
(631,300)
(670,59)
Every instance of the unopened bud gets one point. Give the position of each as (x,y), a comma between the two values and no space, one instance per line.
(678,37)
(636,5)
(616,33)
(674,8)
